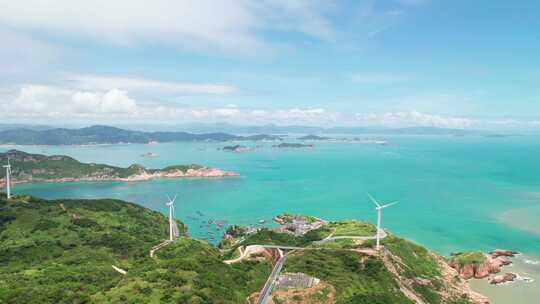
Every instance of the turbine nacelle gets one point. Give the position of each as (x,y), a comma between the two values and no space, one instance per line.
(171,201)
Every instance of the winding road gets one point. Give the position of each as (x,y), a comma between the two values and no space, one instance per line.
(267,288)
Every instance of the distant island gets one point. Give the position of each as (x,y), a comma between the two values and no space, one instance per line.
(97,251)
(299,129)
(314,137)
(236,148)
(293,145)
(27,168)
(110,135)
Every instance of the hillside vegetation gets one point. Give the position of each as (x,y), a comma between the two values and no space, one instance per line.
(63,251)
(28,167)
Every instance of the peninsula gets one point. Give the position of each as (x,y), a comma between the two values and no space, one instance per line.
(97,251)
(28,168)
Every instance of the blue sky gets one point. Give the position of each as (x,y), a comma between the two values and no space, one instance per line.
(394,63)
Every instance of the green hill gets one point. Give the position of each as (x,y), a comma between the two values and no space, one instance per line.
(62,251)
(110,135)
(28,167)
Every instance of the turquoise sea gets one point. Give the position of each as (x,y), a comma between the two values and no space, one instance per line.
(454,193)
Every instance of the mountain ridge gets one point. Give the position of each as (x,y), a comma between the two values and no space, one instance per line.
(100,134)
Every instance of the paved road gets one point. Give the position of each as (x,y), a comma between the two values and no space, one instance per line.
(267,289)
(158,247)
(361,238)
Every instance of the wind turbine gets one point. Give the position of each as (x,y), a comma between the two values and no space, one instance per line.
(8,179)
(379,209)
(173,229)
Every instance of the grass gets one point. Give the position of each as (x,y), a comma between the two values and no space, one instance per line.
(52,255)
(470,257)
(48,255)
(352,228)
(61,251)
(358,278)
(418,263)
(188,271)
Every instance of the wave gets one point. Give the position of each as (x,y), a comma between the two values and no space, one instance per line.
(524,279)
(531,262)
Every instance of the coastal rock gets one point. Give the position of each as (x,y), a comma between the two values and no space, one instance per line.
(503,252)
(488,266)
(507,277)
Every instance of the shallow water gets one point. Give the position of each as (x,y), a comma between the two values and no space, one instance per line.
(525,290)
(455,193)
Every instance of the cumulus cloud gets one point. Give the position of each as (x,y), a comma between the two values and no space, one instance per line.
(43,101)
(39,103)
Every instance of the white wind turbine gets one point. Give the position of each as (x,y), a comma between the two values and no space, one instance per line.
(173,228)
(379,209)
(8,178)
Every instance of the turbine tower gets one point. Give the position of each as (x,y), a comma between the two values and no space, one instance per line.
(8,178)
(379,209)
(173,228)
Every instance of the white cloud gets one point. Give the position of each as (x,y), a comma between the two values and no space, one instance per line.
(227,25)
(43,101)
(95,82)
(39,103)
(379,78)
(412,119)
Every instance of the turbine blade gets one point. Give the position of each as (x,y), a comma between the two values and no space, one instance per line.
(174,199)
(388,205)
(373,200)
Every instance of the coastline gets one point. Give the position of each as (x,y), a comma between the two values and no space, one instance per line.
(521,291)
(204,172)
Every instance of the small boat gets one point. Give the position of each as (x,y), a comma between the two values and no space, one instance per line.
(262,221)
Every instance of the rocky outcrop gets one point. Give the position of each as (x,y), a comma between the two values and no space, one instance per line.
(491,264)
(458,288)
(503,253)
(200,172)
(500,279)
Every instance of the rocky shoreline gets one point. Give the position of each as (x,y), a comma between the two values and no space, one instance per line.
(37,168)
(203,172)
(482,265)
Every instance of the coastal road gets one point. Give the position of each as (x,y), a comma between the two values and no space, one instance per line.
(267,289)
(360,238)
(158,247)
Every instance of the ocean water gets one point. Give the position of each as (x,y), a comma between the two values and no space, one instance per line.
(454,193)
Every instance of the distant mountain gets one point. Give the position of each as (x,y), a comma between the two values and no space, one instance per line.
(110,135)
(4,127)
(275,129)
